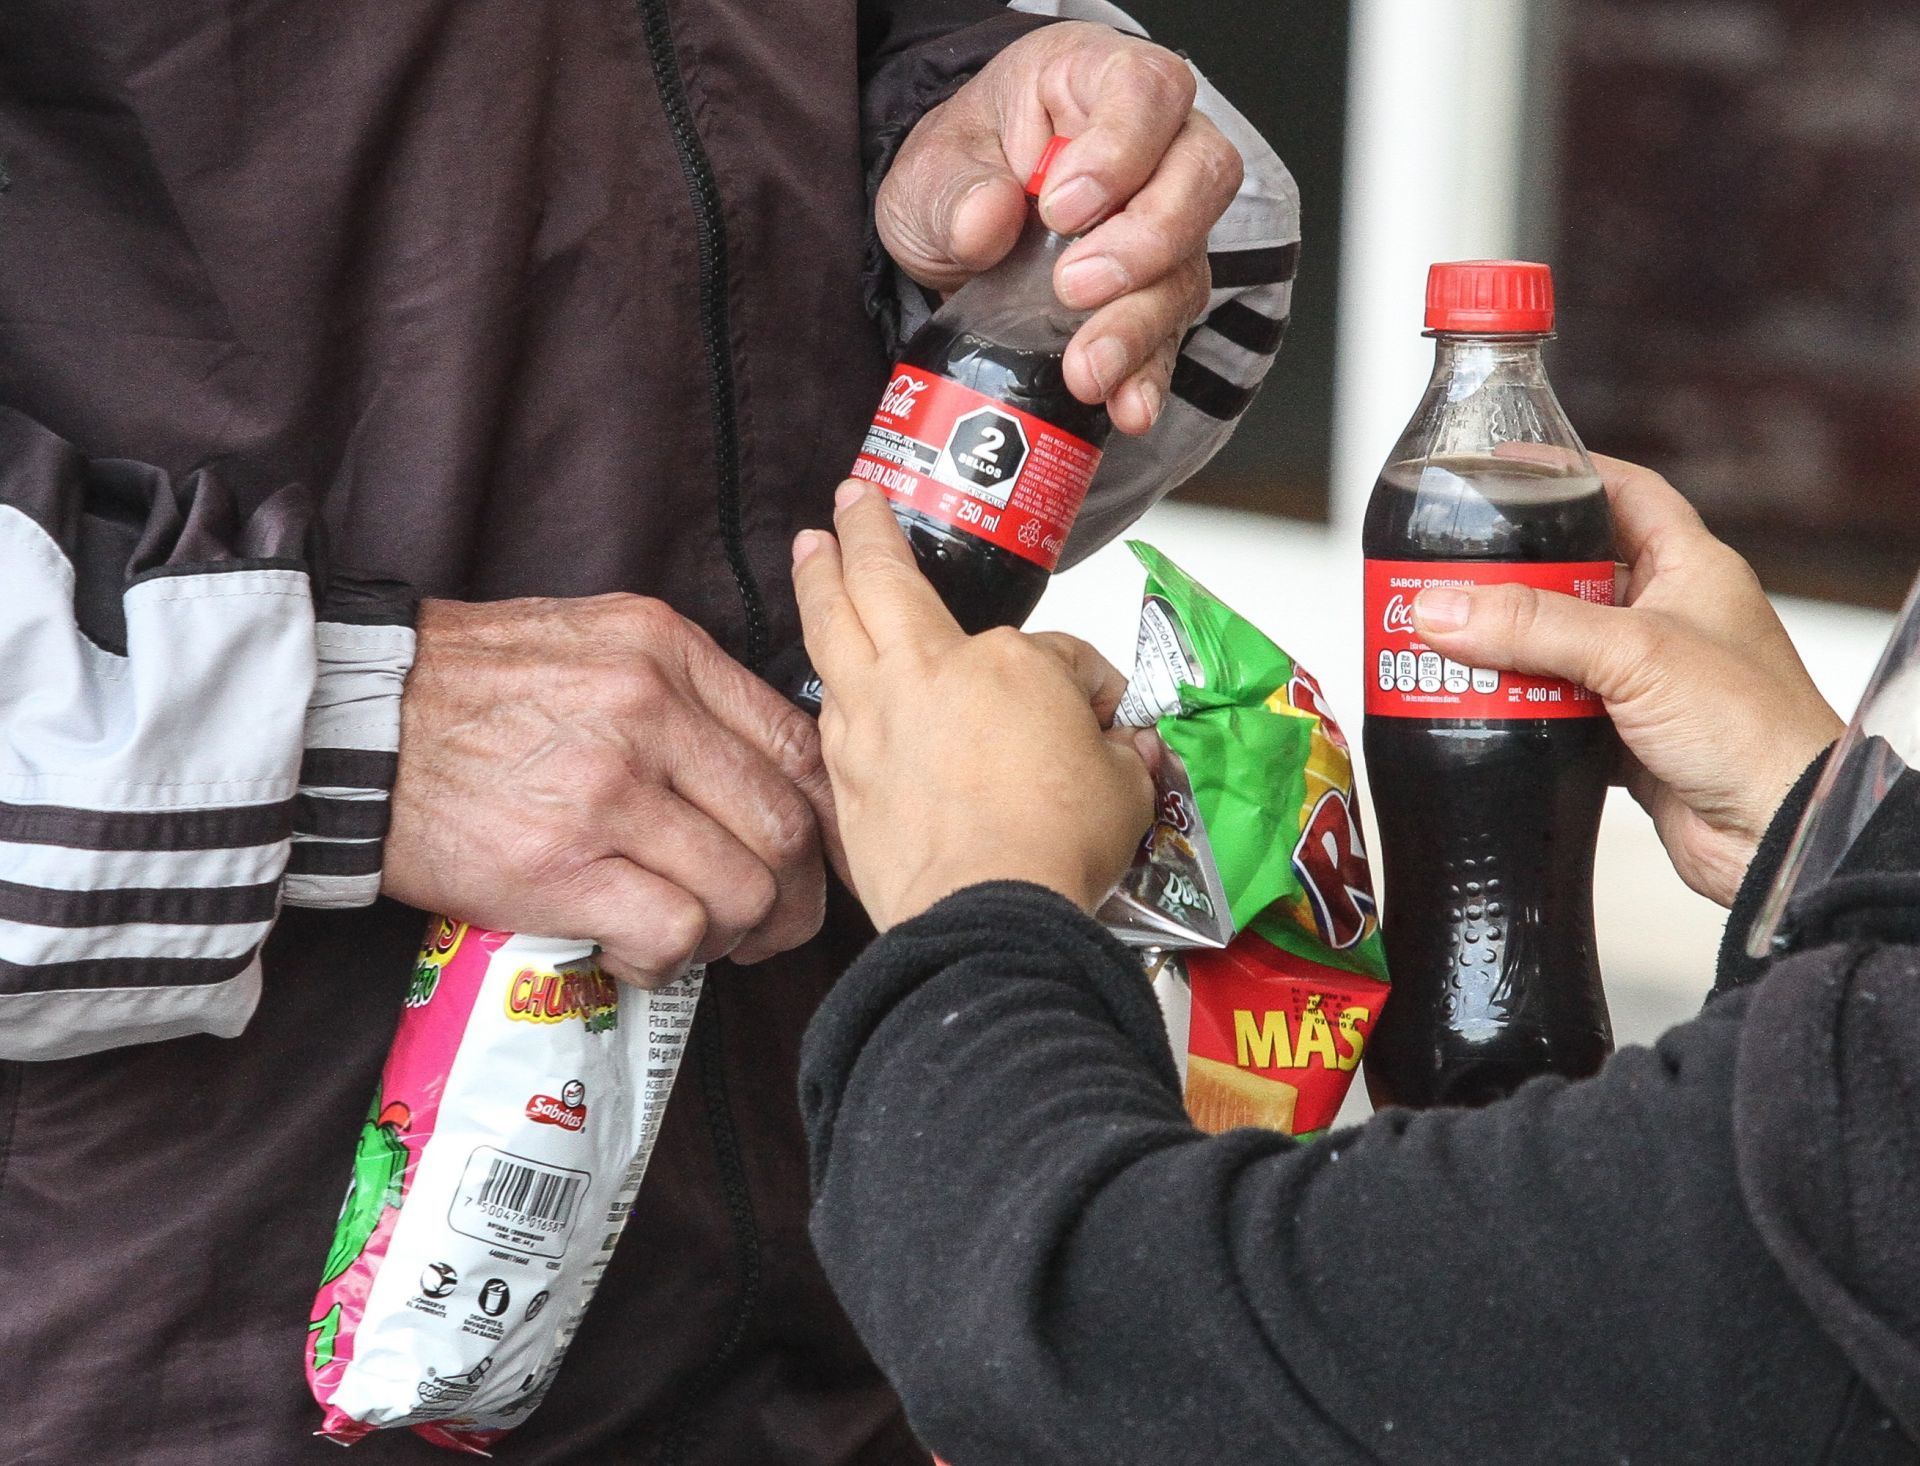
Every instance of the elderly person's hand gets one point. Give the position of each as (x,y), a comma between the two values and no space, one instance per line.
(1717,712)
(1145,176)
(959,759)
(599,768)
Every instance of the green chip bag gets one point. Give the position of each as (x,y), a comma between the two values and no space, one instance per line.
(1255,867)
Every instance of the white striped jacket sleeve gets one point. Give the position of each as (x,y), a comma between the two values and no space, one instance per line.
(1254,251)
(184,744)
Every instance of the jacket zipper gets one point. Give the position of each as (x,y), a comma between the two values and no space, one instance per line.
(715,332)
(677,1439)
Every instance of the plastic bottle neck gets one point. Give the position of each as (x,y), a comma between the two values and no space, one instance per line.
(1485,391)
(1516,359)
(1014,302)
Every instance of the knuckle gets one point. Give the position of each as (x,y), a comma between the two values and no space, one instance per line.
(678,928)
(756,898)
(601,777)
(792,834)
(1016,654)
(1003,643)
(1164,79)
(1157,240)
(644,687)
(1741,576)
(1221,165)
(793,742)
(645,616)
(1517,610)
(656,626)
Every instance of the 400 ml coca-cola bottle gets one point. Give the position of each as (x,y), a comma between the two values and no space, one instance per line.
(1488,786)
(983,449)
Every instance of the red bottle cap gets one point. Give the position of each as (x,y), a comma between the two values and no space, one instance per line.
(1038,180)
(1490,298)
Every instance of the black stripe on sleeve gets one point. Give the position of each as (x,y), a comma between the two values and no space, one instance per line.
(1207,390)
(231,828)
(120,972)
(219,906)
(335,858)
(1234,268)
(1244,326)
(341,819)
(349,768)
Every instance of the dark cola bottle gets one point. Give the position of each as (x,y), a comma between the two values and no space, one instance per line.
(1488,786)
(982,449)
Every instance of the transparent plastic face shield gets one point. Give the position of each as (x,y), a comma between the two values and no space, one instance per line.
(1880,745)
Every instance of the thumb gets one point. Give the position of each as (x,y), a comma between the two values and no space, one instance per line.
(1516,628)
(1137,746)
(950,207)
(1137,754)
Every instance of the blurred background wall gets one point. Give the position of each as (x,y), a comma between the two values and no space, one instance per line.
(1729,193)
(1737,215)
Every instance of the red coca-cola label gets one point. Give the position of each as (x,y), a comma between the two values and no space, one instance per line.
(1408,679)
(972,461)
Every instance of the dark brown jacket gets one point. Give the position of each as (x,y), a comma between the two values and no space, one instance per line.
(515,297)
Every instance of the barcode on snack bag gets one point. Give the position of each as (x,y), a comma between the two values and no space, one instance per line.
(517,1202)
(537,1196)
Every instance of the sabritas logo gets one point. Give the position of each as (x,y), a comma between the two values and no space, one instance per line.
(540,995)
(1399,617)
(568,1112)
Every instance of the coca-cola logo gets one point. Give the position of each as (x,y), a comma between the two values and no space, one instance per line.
(901,395)
(544,1109)
(1398,617)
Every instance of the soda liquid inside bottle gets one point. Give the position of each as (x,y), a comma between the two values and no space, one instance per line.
(982,449)
(1488,786)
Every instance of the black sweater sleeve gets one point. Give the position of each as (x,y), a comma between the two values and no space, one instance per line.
(1736,968)
(1052,1265)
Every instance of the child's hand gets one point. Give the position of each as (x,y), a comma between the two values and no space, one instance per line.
(959,759)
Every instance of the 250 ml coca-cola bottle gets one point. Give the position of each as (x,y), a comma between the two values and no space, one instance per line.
(978,442)
(1488,786)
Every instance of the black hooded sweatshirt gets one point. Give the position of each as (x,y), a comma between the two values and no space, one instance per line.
(1706,1253)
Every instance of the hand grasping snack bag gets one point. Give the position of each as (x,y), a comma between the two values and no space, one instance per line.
(497,1166)
(1253,879)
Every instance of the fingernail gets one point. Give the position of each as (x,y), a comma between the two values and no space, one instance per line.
(850,492)
(1107,360)
(1148,742)
(1442,608)
(804,544)
(1069,207)
(1153,400)
(1092,280)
